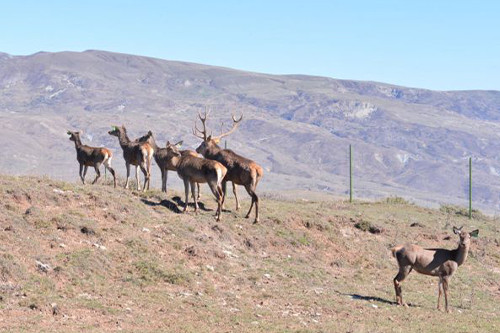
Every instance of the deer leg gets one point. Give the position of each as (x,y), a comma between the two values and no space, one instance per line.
(445,289)
(186,191)
(137,177)
(199,193)
(107,166)
(148,165)
(97,173)
(223,187)
(402,274)
(195,199)
(81,174)
(440,292)
(255,199)
(146,178)
(84,173)
(217,191)
(127,165)
(236,197)
(162,180)
(166,179)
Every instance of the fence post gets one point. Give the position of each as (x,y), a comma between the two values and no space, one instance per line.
(470,187)
(350,173)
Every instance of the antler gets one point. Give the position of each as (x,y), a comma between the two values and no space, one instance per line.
(236,123)
(196,130)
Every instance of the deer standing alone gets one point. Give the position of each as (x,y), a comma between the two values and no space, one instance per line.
(135,153)
(163,161)
(240,170)
(193,169)
(434,262)
(91,156)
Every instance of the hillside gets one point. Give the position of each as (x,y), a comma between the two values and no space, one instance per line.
(110,260)
(409,142)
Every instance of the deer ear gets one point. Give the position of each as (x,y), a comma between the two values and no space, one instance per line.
(474,233)
(457,230)
(179,144)
(68,132)
(168,143)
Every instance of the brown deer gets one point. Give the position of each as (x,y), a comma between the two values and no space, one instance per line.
(193,169)
(91,156)
(434,262)
(164,162)
(135,153)
(240,170)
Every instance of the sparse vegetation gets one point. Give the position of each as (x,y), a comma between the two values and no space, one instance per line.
(304,267)
(460,211)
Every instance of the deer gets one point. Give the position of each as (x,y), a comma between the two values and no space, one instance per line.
(434,262)
(164,162)
(91,156)
(135,153)
(240,170)
(193,169)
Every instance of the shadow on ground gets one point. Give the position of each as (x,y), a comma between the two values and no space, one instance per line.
(176,205)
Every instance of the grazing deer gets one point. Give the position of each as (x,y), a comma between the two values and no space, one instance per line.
(91,156)
(193,169)
(135,153)
(240,170)
(435,262)
(164,162)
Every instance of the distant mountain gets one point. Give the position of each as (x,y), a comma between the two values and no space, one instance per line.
(408,142)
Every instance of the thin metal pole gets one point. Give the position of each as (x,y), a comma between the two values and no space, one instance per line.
(470,187)
(350,173)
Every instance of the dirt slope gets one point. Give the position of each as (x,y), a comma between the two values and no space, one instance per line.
(116,260)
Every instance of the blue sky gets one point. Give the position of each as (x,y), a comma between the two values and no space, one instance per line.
(441,45)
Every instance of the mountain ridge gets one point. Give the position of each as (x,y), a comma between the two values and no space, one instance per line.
(408,142)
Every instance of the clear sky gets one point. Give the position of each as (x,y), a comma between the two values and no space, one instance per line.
(441,45)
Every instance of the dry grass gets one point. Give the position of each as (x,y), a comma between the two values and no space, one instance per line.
(142,266)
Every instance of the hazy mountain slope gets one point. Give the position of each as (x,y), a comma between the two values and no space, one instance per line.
(407,141)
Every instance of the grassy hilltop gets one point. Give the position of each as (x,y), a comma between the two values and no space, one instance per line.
(109,260)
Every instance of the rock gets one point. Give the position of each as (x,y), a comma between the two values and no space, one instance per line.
(42,267)
(55,309)
(87,231)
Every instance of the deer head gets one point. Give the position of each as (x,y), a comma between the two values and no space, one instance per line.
(211,141)
(74,136)
(173,149)
(116,130)
(464,235)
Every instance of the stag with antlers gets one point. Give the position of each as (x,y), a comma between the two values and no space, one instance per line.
(91,156)
(240,170)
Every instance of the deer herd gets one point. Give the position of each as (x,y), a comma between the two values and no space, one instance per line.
(218,166)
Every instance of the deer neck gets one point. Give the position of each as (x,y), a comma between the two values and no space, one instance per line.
(461,253)
(78,143)
(123,139)
(212,151)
